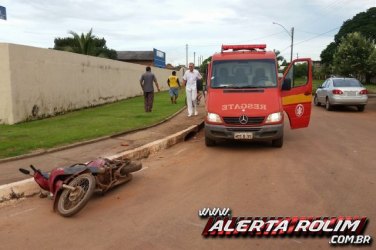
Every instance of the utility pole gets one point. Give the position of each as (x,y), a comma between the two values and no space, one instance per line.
(292,43)
(194,57)
(292,38)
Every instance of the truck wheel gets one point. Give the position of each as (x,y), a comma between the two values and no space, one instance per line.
(278,143)
(209,142)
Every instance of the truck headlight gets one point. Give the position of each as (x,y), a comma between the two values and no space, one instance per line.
(275,117)
(212,117)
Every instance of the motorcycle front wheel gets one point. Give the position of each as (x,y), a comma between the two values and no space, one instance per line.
(72,201)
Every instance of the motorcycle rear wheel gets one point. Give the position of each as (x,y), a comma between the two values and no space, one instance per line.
(71,202)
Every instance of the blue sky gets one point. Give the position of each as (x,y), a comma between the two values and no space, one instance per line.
(170,25)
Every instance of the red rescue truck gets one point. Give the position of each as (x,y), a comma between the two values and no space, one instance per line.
(245,99)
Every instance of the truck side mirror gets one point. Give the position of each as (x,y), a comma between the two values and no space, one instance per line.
(286,84)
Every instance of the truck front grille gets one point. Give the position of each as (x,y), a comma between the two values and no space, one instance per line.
(251,120)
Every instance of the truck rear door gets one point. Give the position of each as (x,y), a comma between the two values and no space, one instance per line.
(297,92)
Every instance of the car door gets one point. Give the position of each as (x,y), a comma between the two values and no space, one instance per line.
(297,92)
(320,92)
(327,89)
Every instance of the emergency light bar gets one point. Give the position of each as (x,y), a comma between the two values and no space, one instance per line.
(243,47)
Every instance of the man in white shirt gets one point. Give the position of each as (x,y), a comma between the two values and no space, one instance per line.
(189,80)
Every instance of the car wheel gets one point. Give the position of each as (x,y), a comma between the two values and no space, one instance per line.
(316,101)
(328,106)
(209,142)
(361,108)
(278,143)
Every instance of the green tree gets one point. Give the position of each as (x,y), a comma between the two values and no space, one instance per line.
(364,22)
(204,66)
(318,73)
(279,57)
(327,54)
(285,63)
(354,56)
(300,70)
(372,64)
(86,44)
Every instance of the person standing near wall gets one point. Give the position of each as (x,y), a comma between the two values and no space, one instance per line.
(174,84)
(189,80)
(146,82)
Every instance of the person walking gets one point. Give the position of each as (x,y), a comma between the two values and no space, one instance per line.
(189,81)
(146,82)
(174,84)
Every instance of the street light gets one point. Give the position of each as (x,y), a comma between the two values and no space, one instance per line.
(292,37)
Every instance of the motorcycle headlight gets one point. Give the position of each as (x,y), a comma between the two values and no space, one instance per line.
(275,117)
(212,117)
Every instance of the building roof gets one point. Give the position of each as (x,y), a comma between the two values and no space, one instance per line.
(135,55)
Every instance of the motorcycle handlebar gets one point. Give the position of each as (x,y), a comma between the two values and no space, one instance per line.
(24,171)
(33,168)
(27,172)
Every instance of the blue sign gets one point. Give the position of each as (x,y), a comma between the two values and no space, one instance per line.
(159,58)
(3,13)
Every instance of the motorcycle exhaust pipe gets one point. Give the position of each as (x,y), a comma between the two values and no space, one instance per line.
(131,167)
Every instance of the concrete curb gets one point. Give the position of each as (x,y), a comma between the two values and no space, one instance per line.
(28,187)
(19,189)
(77,144)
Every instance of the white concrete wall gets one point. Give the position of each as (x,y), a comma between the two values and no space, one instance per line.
(37,82)
(6,114)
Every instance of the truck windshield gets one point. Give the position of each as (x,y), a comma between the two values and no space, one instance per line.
(244,74)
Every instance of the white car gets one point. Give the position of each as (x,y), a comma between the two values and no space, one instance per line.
(341,91)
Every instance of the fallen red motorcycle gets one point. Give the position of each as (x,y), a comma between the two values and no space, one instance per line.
(71,187)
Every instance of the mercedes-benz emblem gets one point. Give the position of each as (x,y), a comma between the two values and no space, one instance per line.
(243,119)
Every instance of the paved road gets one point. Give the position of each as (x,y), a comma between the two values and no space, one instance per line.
(327,169)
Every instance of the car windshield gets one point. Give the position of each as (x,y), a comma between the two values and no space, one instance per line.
(244,74)
(346,82)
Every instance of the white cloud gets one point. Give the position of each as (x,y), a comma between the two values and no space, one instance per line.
(170,25)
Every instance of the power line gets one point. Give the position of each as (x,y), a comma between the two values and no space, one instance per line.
(330,6)
(300,42)
(308,32)
(333,5)
(316,36)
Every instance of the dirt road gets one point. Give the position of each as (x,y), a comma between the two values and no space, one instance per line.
(327,169)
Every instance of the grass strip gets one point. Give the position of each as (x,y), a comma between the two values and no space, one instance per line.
(85,124)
